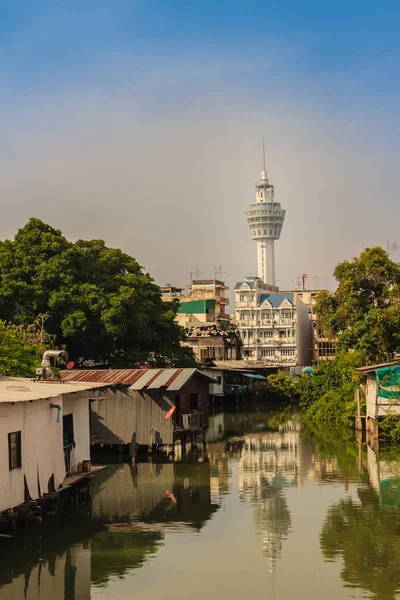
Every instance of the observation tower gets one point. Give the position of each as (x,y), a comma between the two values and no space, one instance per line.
(265,220)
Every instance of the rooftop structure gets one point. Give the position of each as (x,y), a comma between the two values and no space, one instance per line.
(265,220)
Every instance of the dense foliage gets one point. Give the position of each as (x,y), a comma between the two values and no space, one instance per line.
(364,311)
(22,347)
(281,386)
(100,302)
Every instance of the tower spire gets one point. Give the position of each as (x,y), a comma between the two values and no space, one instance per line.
(264,169)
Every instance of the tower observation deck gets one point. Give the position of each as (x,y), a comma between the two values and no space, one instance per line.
(265,220)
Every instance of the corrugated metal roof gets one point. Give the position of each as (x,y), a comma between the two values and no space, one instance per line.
(171,379)
(110,376)
(371,368)
(21,389)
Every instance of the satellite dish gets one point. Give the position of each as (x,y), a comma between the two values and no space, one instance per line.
(70,365)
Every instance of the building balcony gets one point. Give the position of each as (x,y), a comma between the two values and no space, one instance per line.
(245,304)
(188,422)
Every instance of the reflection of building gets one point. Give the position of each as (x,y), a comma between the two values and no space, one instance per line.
(269,462)
(219,470)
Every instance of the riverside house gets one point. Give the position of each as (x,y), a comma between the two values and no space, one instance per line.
(135,412)
(44,436)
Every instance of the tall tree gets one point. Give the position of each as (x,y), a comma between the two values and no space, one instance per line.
(100,302)
(364,311)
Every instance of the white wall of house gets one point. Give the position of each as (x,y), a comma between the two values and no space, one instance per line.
(41,450)
(42,453)
(79,408)
(216,389)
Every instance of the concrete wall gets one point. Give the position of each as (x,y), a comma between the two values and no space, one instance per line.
(303,334)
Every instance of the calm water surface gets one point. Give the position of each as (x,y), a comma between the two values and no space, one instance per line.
(268,510)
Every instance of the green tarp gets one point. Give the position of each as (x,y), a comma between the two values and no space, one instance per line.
(388,380)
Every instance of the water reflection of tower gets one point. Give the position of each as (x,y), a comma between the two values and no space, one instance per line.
(270,462)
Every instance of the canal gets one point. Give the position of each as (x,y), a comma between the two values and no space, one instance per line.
(271,510)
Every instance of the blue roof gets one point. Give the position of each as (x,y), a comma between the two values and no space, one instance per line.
(276,299)
(239,284)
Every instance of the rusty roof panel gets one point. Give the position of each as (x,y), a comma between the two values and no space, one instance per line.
(110,376)
(163,378)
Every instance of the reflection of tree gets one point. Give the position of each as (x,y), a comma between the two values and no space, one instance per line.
(272,520)
(367,538)
(114,553)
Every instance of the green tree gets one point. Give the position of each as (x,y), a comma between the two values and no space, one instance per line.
(18,358)
(100,302)
(281,385)
(328,395)
(364,311)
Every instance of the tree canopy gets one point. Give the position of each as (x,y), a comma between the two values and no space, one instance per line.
(364,311)
(100,303)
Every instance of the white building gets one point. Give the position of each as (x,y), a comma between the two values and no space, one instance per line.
(265,220)
(274,327)
(44,436)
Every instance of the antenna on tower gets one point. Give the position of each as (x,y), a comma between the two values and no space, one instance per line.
(264,167)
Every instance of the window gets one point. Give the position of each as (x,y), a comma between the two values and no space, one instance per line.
(219,380)
(68,430)
(194,401)
(288,352)
(14,450)
(267,352)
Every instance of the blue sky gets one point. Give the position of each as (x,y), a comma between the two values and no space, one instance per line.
(145,118)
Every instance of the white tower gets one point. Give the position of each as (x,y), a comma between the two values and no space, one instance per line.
(265,220)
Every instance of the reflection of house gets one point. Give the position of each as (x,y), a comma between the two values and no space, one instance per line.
(44,436)
(216,428)
(158,494)
(134,413)
(384,476)
(52,577)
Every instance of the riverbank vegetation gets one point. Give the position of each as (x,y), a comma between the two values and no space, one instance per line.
(363,317)
(100,303)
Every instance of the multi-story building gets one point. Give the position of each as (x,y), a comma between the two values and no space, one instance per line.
(210,289)
(274,327)
(202,313)
(323,348)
